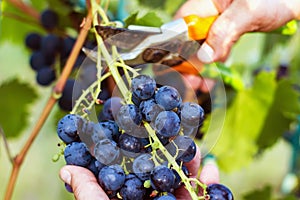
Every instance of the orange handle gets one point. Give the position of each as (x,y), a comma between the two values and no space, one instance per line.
(198,27)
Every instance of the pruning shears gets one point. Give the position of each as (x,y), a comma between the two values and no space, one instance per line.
(170,44)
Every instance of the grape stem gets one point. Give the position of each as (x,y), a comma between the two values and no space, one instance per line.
(18,160)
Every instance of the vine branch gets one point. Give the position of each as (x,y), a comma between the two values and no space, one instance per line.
(57,90)
(25,8)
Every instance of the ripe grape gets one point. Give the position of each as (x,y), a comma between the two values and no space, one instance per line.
(76,153)
(111,178)
(168,196)
(192,114)
(33,41)
(49,19)
(167,123)
(129,117)
(95,166)
(106,151)
(50,45)
(184,147)
(37,61)
(150,109)
(130,145)
(45,76)
(219,192)
(133,188)
(143,87)
(142,166)
(67,128)
(111,107)
(111,129)
(168,97)
(162,178)
(65,101)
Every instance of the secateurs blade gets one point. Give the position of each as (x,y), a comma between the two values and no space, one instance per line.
(141,44)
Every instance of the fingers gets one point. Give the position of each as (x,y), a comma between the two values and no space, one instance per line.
(197,7)
(83,183)
(224,32)
(210,174)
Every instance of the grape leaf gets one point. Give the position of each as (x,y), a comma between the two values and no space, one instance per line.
(264,193)
(259,113)
(283,111)
(149,19)
(232,132)
(14,106)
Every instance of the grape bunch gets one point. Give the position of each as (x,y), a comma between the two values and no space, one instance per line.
(49,54)
(139,148)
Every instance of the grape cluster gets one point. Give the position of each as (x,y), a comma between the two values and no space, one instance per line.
(49,54)
(139,148)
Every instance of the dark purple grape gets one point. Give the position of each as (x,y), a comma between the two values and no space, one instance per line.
(111,107)
(129,117)
(49,19)
(95,166)
(111,178)
(38,61)
(168,97)
(45,76)
(50,45)
(65,101)
(184,147)
(68,188)
(168,196)
(219,192)
(76,153)
(191,114)
(162,178)
(133,188)
(66,47)
(142,166)
(106,151)
(33,41)
(143,87)
(99,134)
(167,124)
(111,129)
(67,128)
(150,109)
(130,145)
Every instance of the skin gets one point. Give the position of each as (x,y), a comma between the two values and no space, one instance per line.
(237,17)
(86,187)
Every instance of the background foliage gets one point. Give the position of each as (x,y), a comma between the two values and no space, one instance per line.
(250,150)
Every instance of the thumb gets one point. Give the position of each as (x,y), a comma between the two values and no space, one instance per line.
(83,183)
(224,32)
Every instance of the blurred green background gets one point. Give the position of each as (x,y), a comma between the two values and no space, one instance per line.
(38,178)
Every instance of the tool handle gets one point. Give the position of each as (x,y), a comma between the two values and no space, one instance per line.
(198,27)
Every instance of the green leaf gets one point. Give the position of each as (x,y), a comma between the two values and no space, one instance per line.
(265,194)
(14,106)
(232,131)
(230,76)
(171,6)
(149,19)
(283,111)
(131,19)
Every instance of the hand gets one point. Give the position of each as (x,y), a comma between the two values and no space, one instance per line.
(86,187)
(236,18)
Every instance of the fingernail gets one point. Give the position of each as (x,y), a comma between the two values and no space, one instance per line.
(206,53)
(65,176)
